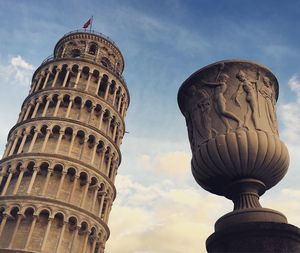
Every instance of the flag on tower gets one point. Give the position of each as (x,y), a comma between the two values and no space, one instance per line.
(88,23)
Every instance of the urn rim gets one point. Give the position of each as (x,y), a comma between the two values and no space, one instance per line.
(191,78)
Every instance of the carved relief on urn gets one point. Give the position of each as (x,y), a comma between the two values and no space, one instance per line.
(230,111)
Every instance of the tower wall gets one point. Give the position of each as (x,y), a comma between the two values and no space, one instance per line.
(62,156)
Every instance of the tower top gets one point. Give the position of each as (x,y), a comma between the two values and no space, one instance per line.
(89,46)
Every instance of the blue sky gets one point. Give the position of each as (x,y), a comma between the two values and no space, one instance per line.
(159,206)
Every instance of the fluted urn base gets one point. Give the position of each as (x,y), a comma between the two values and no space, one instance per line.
(245,195)
(262,237)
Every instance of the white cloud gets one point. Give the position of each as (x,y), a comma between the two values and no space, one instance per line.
(15,79)
(171,218)
(174,164)
(162,218)
(16,72)
(290,114)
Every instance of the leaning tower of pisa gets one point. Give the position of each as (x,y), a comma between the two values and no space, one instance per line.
(62,156)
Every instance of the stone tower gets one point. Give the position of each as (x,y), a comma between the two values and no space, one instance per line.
(62,156)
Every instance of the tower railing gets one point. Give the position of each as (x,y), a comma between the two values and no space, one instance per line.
(92,32)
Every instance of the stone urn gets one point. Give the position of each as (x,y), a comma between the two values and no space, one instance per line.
(230,112)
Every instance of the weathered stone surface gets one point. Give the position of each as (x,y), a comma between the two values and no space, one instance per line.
(258,237)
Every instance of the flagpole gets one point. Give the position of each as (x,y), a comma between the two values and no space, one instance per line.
(92,19)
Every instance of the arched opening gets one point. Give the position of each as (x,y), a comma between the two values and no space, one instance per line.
(93,49)
(75,53)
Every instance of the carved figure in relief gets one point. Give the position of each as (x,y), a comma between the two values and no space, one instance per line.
(267,92)
(220,87)
(249,88)
(199,121)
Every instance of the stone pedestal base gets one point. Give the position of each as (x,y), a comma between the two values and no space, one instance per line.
(257,237)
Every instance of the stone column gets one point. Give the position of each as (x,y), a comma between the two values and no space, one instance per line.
(94,153)
(88,81)
(115,172)
(20,217)
(49,99)
(33,177)
(59,100)
(77,78)
(114,96)
(31,231)
(108,164)
(39,82)
(72,143)
(61,181)
(115,131)
(46,234)
(86,188)
(66,77)
(33,84)
(81,110)
(76,177)
(60,237)
(49,174)
(61,134)
(94,245)
(36,133)
(94,198)
(3,223)
(46,79)
(120,102)
(8,147)
(98,84)
(69,107)
(107,90)
(55,77)
(3,172)
(101,203)
(100,119)
(123,109)
(11,172)
(107,212)
(74,239)
(46,139)
(18,135)
(22,114)
(102,158)
(30,105)
(85,241)
(108,125)
(20,177)
(26,133)
(86,138)
(37,105)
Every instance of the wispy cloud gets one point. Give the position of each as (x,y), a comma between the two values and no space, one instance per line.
(290,114)
(16,72)
(173,164)
(15,78)
(161,218)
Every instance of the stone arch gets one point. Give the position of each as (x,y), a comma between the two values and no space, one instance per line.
(44,210)
(93,47)
(103,86)
(72,222)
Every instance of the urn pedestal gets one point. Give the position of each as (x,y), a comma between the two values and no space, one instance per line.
(230,111)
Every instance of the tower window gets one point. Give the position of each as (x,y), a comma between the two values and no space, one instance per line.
(75,53)
(105,62)
(93,49)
